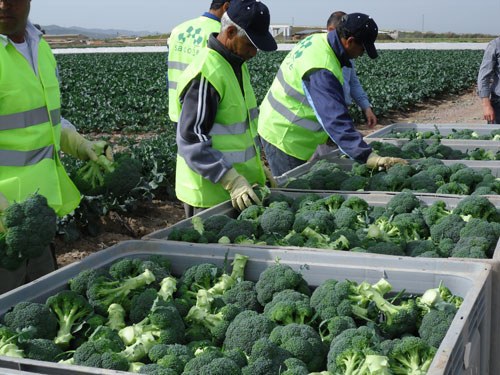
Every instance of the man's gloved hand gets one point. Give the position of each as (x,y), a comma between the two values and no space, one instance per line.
(239,189)
(4,203)
(75,145)
(375,161)
(269,177)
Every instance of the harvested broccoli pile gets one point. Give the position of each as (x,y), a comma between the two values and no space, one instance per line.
(30,228)
(429,175)
(232,326)
(404,227)
(436,134)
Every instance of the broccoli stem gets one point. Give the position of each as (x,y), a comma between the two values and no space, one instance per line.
(116,316)
(168,286)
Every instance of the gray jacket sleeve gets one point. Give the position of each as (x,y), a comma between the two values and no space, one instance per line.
(199,108)
(489,70)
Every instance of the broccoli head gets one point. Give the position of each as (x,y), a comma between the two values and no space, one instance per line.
(41,350)
(447,227)
(34,319)
(276,220)
(244,295)
(319,221)
(411,355)
(102,353)
(174,357)
(277,278)
(289,306)
(402,203)
(434,326)
(266,358)
(476,206)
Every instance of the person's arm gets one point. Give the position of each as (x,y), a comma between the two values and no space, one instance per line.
(486,70)
(326,96)
(361,98)
(199,108)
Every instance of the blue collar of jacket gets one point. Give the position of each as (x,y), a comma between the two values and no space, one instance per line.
(210,15)
(338,48)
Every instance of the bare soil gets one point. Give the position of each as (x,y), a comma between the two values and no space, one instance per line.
(159,214)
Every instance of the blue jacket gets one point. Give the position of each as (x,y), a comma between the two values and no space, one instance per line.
(326,96)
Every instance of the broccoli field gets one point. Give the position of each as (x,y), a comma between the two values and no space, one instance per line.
(138,316)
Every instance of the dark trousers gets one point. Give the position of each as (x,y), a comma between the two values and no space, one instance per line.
(190,211)
(279,162)
(495,103)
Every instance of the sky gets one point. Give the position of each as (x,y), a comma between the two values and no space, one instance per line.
(458,16)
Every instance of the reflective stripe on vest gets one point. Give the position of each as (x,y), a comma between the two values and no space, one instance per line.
(233,133)
(185,43)
(286,119)
(12,158)
(26,119)
(30,131)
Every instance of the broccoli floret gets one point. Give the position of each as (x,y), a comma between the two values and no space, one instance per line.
(71,310)
(434,326)
(386,248)
(34,319)
(202,358)
(360,339)
(438,150)
(480,228)
(9,345)
(80,282)
(453,188)
(419,247)
(422,182)
(31,227)
(278,197)
(236,228)
(331,328)
(484,190)
(251,213)
(319,221)
(173,357)
(163,325)
(383,230)
(356,204)
(276,220)
(475,207)
(277,278)
(266,358)
(221,366)
(102,293)
(386,149)
(346,218)
(104,332)
(125,176)
(41,350)
(141,304)
(304,200)
(125,268)
(335,179)
(303,342)
(401,203)
(102,353)
(435,212)
(215,223)
(333,298)
(289,306)
(398,319)
(440,170)
(154,369)
(471,247)
(354,183)
(447,227)
(244,295)
(246,329)
(414,149)
(401,170)
(412,225)
(445,247)
(466,176)
(411,355)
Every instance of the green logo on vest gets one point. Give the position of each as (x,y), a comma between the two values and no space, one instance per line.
(191,33)
(302,46)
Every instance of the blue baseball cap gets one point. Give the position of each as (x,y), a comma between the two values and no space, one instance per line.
(253,17)
(364,29)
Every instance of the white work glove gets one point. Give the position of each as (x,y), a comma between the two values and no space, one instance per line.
(75,145)
(269,177)
(375,161)
(4,203)
(239,189)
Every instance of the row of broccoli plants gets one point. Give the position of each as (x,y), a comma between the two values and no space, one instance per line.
(404,227)
(420,149)
(141,171)
(127,92)
(136,316)
(426,176)
(494,135)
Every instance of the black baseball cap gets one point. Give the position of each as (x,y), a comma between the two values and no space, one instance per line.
(253,17)
(364,29)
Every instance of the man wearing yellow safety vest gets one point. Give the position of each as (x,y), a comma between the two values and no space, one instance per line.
(185,42)
(218,158)
(305,104)
(31,134)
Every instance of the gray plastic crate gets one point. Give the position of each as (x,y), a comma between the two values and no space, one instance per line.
(444,129)
(464,350)
(346,164)
(381,199)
